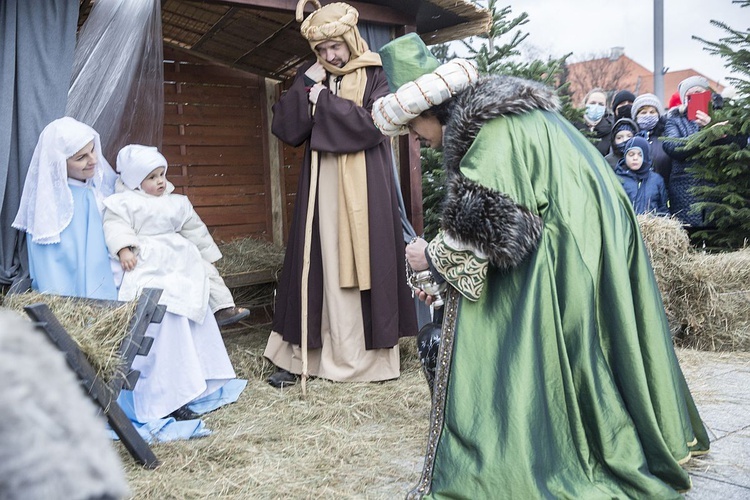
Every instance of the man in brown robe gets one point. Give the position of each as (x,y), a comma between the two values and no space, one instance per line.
(343,280)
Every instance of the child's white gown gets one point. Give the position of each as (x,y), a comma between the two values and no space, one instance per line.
(188,359)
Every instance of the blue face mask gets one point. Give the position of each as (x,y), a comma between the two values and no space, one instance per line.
(594,112)
(647,122)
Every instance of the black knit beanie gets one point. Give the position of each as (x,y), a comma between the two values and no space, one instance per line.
(622,96)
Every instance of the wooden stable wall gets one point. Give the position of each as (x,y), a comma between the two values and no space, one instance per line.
(215,139)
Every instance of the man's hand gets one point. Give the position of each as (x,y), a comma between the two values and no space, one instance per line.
(424,297)
(128,260)
(316,72)
(415,254)
(315,92)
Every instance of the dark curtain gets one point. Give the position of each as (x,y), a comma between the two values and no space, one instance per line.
(37,42)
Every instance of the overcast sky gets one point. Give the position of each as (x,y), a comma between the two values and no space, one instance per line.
(587,27)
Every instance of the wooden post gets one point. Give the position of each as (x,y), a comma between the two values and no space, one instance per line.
(276,179)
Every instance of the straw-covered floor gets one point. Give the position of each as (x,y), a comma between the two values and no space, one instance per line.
(368,440)
(341,441)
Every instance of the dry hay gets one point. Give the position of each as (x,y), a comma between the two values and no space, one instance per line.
(344,440)
(245,255)
(706,296)
(98,330)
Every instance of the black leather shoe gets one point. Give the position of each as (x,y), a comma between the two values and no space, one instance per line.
(231,315)
(282,378)
(184,413)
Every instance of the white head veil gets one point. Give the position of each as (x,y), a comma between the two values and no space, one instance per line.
(46,207)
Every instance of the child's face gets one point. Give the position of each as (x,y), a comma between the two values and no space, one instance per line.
(82,165)
(622,136)
(634,159)
(156,182)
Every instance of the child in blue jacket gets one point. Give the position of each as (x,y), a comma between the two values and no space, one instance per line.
(644,187)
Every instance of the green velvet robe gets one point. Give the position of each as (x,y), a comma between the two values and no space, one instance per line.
(561,380)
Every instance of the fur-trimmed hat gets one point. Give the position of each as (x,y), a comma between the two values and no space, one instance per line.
(419,80)
(690,82)
(646,100)
(135,162)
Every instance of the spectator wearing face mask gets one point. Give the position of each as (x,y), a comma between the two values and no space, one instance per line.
(622,103)
(648,112)
(597,121)
(623,130)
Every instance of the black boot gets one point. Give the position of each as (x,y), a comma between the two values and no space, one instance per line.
(184,413)
(282,378)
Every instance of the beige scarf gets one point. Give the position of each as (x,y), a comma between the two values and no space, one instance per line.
(337,21)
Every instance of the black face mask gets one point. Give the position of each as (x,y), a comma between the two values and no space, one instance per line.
(623,111)
(619,149)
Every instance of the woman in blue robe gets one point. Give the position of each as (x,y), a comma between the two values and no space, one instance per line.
(61,209)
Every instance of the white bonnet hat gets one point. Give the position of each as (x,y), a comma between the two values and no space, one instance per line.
(135,162)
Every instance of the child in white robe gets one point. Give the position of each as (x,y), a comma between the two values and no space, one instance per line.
(60,210)
(135,164)
(162,243)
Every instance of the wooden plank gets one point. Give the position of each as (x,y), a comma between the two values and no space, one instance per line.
(216,200)
(229,233)
(274,166)
(196,110)
(233,218)
(243,120)
(224,170)
(216,180)
(193,74)
(93,386)
(249,278)
(226,190)
(209,140)
(136,341)
(202,89)
(252,132)
(367,12)
(209,98)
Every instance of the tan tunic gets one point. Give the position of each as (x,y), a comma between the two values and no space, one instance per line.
(343,357)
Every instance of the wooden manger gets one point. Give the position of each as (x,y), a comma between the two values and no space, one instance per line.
(135,343)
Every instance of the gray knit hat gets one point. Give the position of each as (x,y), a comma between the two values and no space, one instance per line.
(646,100)
(690,82)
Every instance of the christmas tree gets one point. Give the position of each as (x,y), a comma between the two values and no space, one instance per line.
(723,160)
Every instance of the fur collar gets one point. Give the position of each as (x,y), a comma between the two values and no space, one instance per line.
(490,97)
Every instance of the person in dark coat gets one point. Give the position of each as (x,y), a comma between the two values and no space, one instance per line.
(622,104)
(597,121)
(623,130)
(649,114)
(343,288)
(681,181)
(644,187)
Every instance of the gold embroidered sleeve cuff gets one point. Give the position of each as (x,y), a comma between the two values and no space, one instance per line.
(462,268)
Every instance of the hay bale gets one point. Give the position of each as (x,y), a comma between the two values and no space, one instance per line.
(246,255)
(97,329)
(706,296)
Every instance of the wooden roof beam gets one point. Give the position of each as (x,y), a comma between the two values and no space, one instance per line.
(367,12)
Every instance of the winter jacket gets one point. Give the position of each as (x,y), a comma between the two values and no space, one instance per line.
(600,137)
(661,162)
(680,180)
(646,190)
